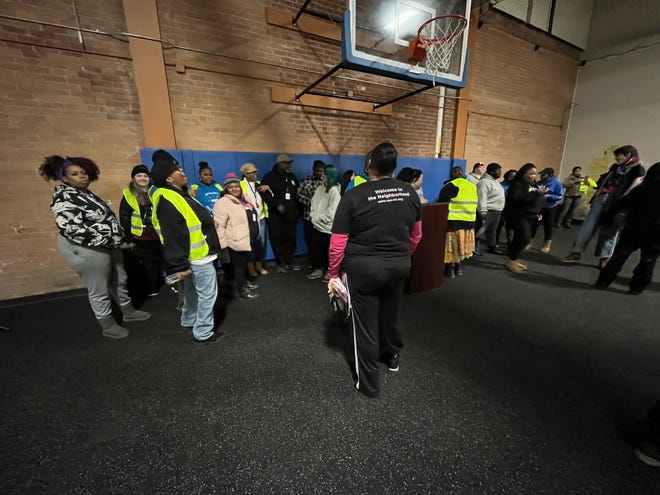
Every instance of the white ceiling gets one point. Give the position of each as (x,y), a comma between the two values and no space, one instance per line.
(616,22)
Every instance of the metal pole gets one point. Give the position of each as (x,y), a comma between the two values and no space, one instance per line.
(318,81)
(379,105)
(300,12)
(341,97)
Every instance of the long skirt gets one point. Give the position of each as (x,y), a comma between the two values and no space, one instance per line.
(459,246)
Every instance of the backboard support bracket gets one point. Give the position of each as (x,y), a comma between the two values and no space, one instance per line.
(375,106)
(326,101)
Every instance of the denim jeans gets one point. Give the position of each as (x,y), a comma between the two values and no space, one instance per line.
(565,216)
(200,291)
(608,235)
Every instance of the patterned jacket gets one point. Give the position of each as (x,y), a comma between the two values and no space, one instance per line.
(306,192)
(85,219)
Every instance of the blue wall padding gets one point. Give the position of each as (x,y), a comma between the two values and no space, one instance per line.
(436,170)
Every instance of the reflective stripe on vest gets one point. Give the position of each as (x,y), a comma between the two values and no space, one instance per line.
(464,206)
(244,188)
(137,227)
(198,246)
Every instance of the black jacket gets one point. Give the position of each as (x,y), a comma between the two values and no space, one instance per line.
(176,237)
(642,206)
(126,214)
(281,185)
(621,184)
(523,199)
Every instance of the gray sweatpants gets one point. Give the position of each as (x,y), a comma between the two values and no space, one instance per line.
(102,270)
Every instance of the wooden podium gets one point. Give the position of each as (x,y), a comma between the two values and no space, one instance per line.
(428,260)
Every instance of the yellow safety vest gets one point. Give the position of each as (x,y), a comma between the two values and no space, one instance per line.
(464,206)
(194,187)
(244,186)
(136,220)
(586,185)
(358,180)
(198,246)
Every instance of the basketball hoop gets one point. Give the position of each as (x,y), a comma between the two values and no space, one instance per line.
(435,42)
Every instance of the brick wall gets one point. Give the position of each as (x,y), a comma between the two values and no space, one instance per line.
(222,101)
(222,59)
(520,97)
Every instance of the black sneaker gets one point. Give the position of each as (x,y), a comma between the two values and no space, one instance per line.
(393,363)
(497,250)
(251,285)
(248,294)
(572,258)
(293,267)
(211,340)
(281,269)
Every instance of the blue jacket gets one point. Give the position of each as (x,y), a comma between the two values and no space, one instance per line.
(505,185)
(554,193)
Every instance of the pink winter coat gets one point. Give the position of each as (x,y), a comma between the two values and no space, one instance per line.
(231,223)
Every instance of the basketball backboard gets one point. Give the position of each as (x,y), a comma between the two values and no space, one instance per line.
(376,35)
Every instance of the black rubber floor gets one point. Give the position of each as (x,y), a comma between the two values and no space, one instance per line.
(508,384)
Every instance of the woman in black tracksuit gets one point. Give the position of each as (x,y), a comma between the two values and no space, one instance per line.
(376,227)
(523,203)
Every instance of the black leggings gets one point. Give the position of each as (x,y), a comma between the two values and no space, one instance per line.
(238,267)
(547,221)
(522,233)
(318,253)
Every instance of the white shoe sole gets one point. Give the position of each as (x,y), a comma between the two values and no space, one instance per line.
(649,461)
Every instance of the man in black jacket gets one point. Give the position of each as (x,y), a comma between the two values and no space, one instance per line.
(190,244)
(612,185)
(283,212)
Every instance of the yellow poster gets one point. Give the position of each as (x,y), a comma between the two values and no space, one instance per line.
(599,165)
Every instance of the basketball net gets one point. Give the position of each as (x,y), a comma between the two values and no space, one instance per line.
(439,37)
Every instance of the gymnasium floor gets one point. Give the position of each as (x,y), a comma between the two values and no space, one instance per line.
(508,384)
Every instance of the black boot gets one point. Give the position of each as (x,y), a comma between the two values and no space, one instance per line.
(449,271)
(458,269)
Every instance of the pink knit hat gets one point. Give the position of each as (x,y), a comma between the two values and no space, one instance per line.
(229,178)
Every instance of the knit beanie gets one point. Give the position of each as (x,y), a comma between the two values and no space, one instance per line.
(164,166)
(139,169)
(229,178)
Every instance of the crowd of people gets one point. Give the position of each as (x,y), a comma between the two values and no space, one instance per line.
(360,230)
(527,199)
(168,227)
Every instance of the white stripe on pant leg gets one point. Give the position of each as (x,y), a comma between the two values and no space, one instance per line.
(352,310)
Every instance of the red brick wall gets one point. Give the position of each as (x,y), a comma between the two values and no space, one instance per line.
(223,102)
(57,100)
(520,98)
(59,96)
